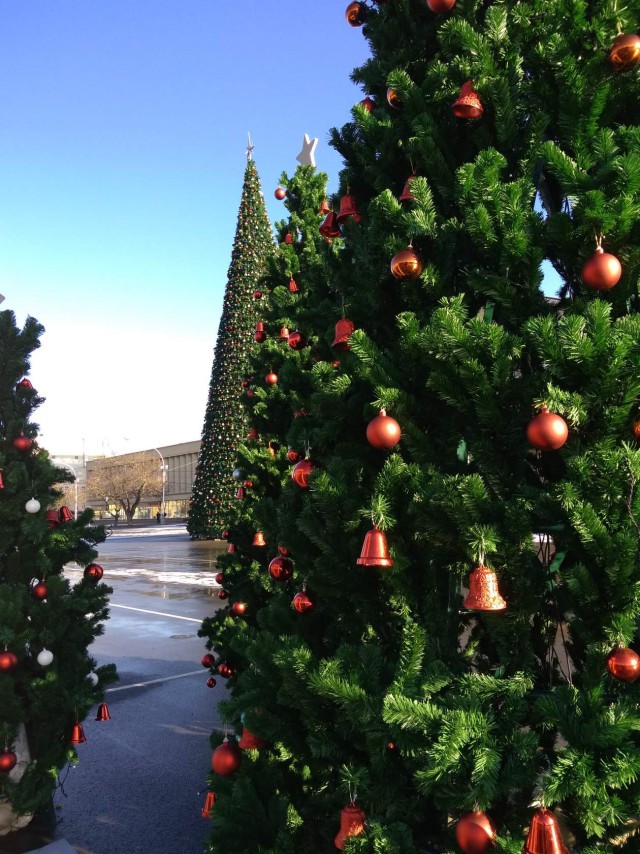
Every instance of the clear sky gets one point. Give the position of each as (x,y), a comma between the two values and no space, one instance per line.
(123,130)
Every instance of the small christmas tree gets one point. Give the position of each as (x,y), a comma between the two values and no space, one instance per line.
(225,422)
(48,680)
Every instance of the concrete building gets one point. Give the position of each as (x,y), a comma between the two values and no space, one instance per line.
(180,464)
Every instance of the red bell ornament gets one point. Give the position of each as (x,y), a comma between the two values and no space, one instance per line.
(284,333)
(226,758)
(77,734)
(352,820)
(406,195)
(383,431)
(348,210)
(281,568)
(53,518)
(103,713)
(342,333)
(249,741)
(624,664)
(302,602)
(293,286)
(475,833)
(22,443)
(271,378)
(602,271)
(93,572)
(406,265)
(65,515)
(375,550)
(355,14)
(231,549)
(297,340)
(368,104)
(253,433)
(324,206)
(547,431)
(259,336)
(288,238)
(625,52)
(240,493)
(544,835)
(209,803)
(301,472)
(259,540)
(280,194)
(330,227)
(467,105)
(483,591)
(441,6)
(8,760)
(24,384)
(8,661)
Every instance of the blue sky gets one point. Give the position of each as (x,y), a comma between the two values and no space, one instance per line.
(122,149)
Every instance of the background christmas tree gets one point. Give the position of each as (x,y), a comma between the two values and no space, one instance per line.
(224,421)
(482,665)
(48,680)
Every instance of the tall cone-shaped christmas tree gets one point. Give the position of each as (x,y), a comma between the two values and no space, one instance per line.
(48,679)
(465,655)
(225,422)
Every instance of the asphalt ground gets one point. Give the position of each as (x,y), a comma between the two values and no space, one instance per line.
(141,781)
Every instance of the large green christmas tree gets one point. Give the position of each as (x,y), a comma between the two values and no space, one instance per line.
(472,684)
(48,679)
(224,422)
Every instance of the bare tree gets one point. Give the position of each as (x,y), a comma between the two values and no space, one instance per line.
(124,481)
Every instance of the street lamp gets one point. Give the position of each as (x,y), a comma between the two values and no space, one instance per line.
(163,484)
(59,463)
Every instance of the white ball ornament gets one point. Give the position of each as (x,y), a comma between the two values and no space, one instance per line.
(32,505)
(93,678)
(45,657)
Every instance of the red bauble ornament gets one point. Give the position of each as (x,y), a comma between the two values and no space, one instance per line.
(384,431)
(301,472)
(226,758)
(281,568)
(8,661)
(356,13)
(93,572)
(225,534)
(288,238)
(484,594)
(251,393)
(352,820)
(624,664)
(369,105)
(211,682)
(239,608)
(280,194)
(249,741)
(475,833)
(24,384)
(635,427)
(302,602)
(257,294)
(296,340)
(441,6)
(253,433)
(547,431)
(271,378)
(218,577)
(223,594)
(283,550)
(8,760)
(39,591)
(22,443)
(293,456)
(467,105)
(225,670)
(602,271)
(406,265)
(625,52)
(393,99)
(207,660)
(245,383)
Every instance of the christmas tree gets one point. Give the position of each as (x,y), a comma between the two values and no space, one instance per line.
(48,680)
(225,422)
(460,673)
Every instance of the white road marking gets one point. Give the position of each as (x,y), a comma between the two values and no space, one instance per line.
(153,681)
(157,613)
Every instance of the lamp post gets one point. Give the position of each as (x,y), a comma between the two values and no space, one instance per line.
(75,485)
(163,484)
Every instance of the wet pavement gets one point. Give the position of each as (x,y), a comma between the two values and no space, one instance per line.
(140,784)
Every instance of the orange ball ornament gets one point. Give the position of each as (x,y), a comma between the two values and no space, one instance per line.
(280,194)
(625,52)
(406,265)
(355,14)
(239,608)
(624,664)
(547,431)
(475,833)
(441,6)
(383,431)
(602,271)
(301,472)
(271,378)
(226,758)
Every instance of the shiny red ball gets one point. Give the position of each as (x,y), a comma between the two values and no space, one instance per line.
(8,760)
(624,664)
(475,833)
(225,670)
(301,472)
(218,577)
(226,758)
(293,456)
(211,682)
(280,194)
(93,572)
(368,104)
(440,6)
(547,431)
(207,660)
(383,431)
(8,661)
(245,383)
(271,378)
(283,550)
(302,602)
(288,238)
(297,340)
(281,568)
(39,591)
(222,594)
(239,608)
(602,271)
(22,443)
(257,294)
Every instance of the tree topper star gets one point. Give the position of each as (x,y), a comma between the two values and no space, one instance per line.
(307,155)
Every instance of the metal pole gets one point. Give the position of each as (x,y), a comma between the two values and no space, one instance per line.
(163,482)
